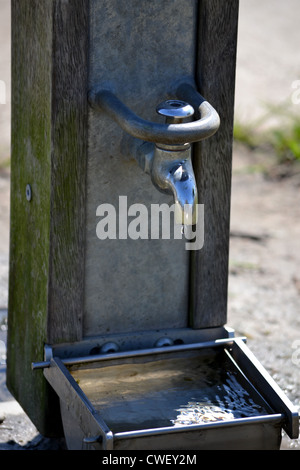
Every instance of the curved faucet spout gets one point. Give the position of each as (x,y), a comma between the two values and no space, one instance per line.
(172,173)
(184,189)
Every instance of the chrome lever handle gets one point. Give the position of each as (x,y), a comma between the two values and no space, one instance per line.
(188,132)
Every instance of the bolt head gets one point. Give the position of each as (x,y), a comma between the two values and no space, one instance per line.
(28,192)
(175,109)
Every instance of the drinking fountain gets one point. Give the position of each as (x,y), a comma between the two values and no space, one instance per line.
(187,389)
(117,335)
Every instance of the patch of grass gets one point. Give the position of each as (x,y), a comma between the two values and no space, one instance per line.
(282,138)
(286,142)
(243,265)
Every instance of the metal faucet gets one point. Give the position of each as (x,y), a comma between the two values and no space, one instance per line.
(166,153)
(170,166)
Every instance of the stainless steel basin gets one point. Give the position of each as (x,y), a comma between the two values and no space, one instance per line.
(198,396)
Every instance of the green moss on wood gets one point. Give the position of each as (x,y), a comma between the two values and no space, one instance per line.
(30,221)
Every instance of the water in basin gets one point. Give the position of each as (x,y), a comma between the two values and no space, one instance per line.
(191,387)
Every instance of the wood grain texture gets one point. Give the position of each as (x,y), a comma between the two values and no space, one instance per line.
(68,170)
(49,102)
(29,231)
(217,42)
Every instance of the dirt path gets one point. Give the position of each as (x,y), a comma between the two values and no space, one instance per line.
(264,277)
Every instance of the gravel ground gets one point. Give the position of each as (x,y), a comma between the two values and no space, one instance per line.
(264,278)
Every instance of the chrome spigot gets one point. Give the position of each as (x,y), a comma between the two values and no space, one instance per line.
(168,160)
(171,169)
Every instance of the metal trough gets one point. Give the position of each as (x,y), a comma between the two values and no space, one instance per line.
(210,395)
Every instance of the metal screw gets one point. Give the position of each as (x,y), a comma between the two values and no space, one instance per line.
(163,342)
(88,441)
(28,193)
(109,347)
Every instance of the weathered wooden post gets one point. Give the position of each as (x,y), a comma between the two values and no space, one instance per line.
(76,296)
(49,157)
